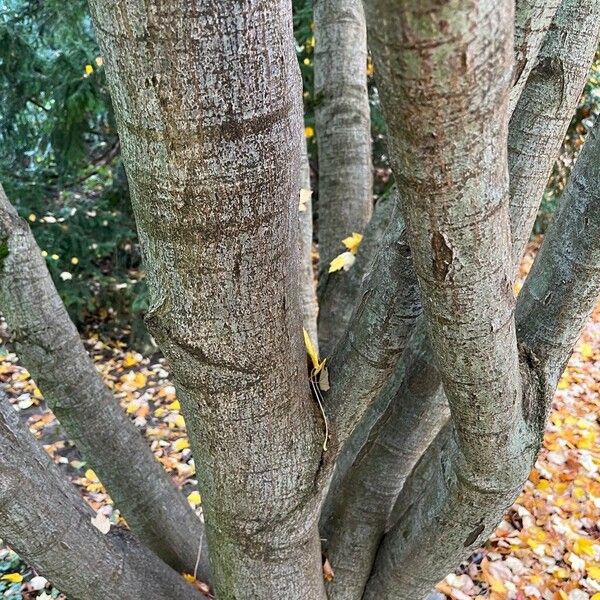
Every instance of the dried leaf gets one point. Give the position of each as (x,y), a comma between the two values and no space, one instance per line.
(344,261)
(304,198)
(328,573)
(101,522)
(12,577)
(312,352)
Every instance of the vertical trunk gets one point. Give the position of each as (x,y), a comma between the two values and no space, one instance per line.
(49,346)
(449,67)
(43,518)
(344,140)
(207,101)
(308,296)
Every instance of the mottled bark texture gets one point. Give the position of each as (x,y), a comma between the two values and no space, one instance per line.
(565,40)
(343,130)
(532,20)
(444,79)
(43,518)
(564,283)
(308,294)
(378,332)
(545,108)
(357,511)
(207,100)
(49,346)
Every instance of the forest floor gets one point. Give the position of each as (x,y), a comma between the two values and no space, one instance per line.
(547,547)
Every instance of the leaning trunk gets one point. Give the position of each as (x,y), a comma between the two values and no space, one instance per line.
(49,346)
(54,533)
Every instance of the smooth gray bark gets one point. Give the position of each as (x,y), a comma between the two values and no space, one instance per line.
(457,217)
(343,128)
(45,521)
(545,108)
(377,335)
(532,21)
(571,42)
(564,282)
(357,511)
(207,100)
(48,345)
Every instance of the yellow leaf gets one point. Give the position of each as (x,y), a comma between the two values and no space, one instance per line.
(180,444)
(194,499)
(497,586)
(174,405)
(563,384)
(89,69)
(596,596)
(312,352)
(593,571)
(309,132)
(189,578)
(180,422)
(345,260)
(13,577)
(130,359)
(583,546)
(89,474)
(586,350)
(353,242)
(139,380)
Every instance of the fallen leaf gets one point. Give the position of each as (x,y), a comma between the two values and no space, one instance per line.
(12,577)
(328,573)
(101,522)
(194,499)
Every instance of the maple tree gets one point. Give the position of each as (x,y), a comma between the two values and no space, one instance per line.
(375,471)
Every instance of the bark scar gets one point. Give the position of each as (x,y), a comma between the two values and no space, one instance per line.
(442,256)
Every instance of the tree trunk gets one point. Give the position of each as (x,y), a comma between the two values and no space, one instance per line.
(545,108)
(46,522)
(49,346)
(343,127)
(532,21)
(456,208)
(308,295)
(207,103)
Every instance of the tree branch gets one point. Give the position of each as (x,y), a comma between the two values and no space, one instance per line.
(344,141)
(48,344)
(396,425)
(545,108)
(563,285)
(308,297)
(43,518)
(532,21)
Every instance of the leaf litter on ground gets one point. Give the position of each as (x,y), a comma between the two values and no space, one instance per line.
(546,548)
